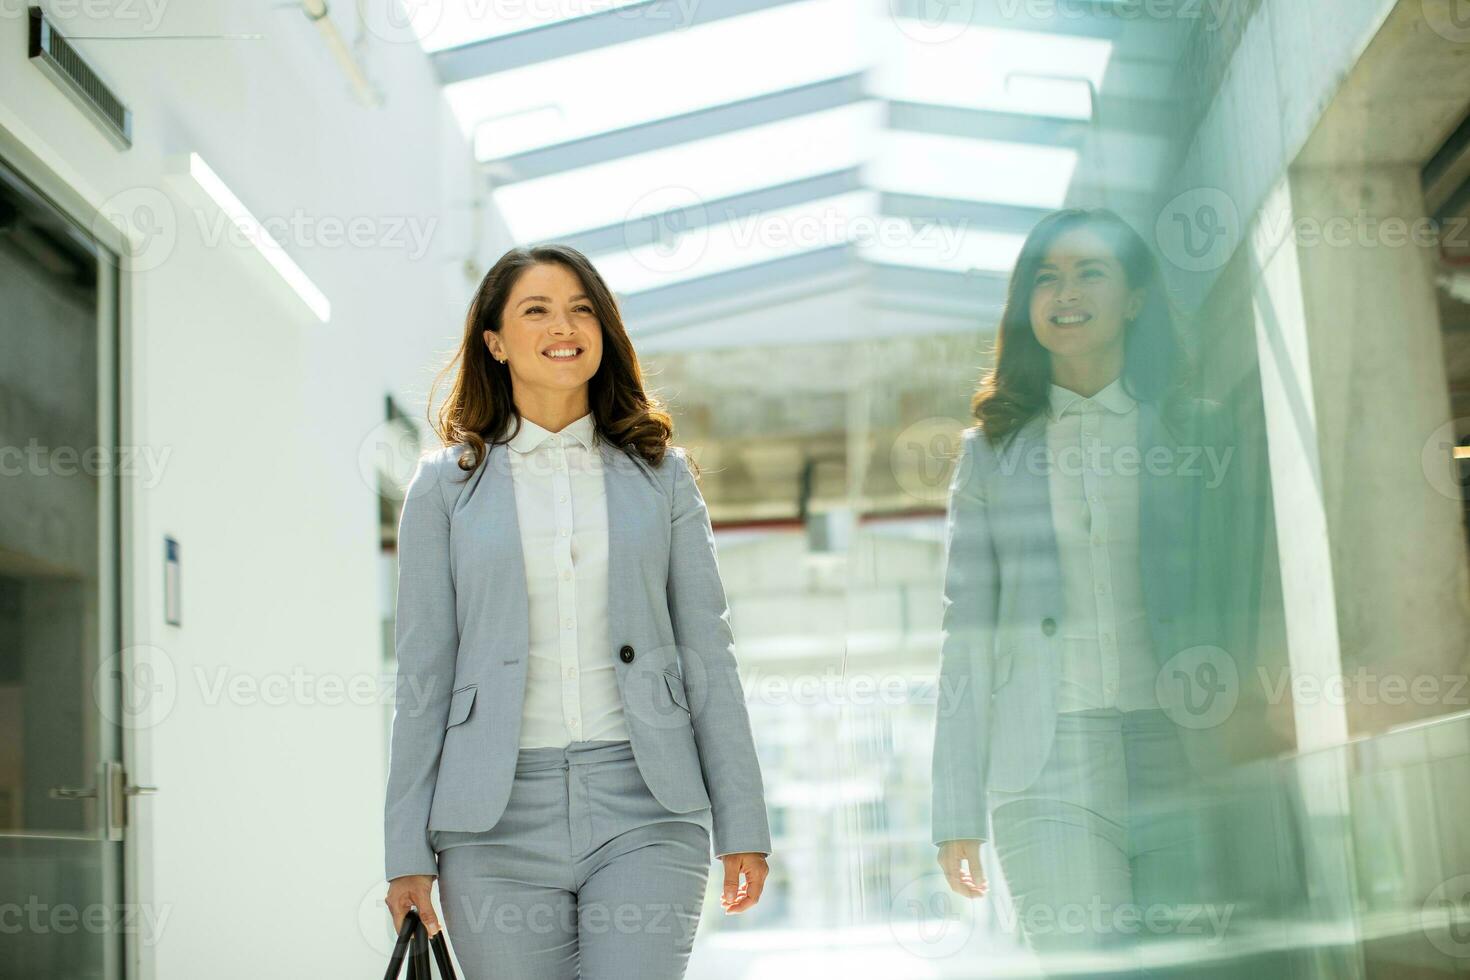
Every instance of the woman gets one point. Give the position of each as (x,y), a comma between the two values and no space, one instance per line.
(1077,561)
(570,734)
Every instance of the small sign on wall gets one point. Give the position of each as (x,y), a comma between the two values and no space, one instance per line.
(171,583)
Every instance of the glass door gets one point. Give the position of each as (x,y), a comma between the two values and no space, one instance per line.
(63,792)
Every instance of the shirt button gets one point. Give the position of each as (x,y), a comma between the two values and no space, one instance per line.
(567,574)
(563,498)
(572,722)
(563,532)
(571,672)
(569,624)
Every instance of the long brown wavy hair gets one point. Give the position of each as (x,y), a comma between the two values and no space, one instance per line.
(1156,367)
(479,405)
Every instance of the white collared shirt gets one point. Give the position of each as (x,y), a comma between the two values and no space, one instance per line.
(561,507)
(1107,651)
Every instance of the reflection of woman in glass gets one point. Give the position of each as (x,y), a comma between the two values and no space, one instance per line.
(1072,572)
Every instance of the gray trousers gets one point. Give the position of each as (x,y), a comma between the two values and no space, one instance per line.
(585,875)
(1104,852)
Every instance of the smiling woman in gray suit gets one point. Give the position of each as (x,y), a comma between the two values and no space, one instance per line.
(570,734)
(1085,515)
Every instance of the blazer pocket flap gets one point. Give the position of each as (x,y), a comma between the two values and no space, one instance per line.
(676,689)
(459,705)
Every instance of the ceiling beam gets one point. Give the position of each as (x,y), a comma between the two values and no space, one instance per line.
(660,134)
(645,231)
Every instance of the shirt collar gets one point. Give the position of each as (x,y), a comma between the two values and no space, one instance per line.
(532,435)
(1112,398)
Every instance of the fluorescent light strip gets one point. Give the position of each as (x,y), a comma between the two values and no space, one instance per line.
(256,234)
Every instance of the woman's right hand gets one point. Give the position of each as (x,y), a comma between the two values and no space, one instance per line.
(413,891)
(967,882)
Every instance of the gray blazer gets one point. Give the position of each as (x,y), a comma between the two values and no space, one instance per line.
(462,640)
(1001,658)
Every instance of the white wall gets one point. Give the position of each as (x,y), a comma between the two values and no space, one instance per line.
(268,814)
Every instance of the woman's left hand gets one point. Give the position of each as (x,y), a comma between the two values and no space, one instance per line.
(738,897)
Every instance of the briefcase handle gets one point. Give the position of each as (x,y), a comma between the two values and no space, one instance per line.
(414,943)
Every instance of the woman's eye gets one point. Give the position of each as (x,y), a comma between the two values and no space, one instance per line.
(584,309)
(535,309)
(1045,280)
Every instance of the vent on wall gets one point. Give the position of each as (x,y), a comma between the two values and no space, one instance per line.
(54,55)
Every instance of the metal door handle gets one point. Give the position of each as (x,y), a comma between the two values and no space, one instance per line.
(72,793)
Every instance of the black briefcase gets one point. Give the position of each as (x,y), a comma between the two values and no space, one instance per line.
(414,943)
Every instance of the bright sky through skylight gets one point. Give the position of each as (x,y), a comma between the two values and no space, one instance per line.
(665,75)
(698,172)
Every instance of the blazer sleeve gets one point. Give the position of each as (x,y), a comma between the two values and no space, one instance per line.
(426,638)
(701,622)
(970,602)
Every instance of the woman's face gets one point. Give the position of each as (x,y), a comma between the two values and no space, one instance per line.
(1080,301)
(549,336)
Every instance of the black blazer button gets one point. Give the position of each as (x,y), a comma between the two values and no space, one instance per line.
(1048,626)
(626,653)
